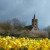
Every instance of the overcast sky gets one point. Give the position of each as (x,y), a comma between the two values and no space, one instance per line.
(24,10)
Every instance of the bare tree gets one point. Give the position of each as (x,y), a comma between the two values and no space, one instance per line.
(16,22)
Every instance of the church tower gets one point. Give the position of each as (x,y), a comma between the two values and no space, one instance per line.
(35,23)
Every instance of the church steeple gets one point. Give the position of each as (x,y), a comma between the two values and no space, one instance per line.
(34,16)
(35,23)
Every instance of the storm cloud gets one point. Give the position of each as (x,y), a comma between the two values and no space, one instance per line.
(24,10)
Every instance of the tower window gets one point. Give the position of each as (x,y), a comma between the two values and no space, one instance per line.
(35,24)
(35,20)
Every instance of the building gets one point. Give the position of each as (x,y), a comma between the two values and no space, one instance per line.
(35,32)
(35,23)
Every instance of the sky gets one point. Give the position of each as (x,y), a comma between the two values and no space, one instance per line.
(24,11)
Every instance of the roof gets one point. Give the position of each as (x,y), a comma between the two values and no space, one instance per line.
(29,27)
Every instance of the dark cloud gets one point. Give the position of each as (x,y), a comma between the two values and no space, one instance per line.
(25,9)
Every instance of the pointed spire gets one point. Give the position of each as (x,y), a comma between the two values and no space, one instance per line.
(34,16)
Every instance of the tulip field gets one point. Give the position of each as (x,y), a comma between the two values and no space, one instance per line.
(12,43)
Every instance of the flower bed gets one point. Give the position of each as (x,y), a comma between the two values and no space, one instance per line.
(12,43)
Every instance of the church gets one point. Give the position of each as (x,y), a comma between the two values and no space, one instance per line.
(34,24)
(34,30)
